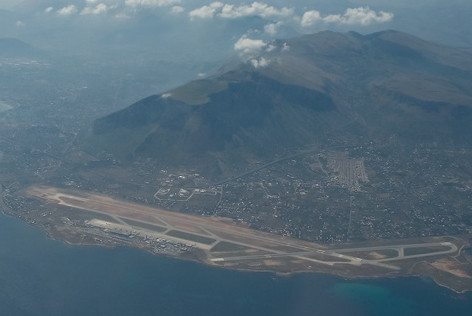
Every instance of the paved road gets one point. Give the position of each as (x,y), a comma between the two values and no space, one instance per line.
(274,246)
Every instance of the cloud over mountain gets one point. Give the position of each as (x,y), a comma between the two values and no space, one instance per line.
(360,16)
(248,46)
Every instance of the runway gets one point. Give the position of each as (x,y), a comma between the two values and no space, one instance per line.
(244,245)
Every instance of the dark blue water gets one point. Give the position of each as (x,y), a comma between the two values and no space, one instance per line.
(39,276)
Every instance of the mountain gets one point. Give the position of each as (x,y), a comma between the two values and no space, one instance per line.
(324,89)
(12,47)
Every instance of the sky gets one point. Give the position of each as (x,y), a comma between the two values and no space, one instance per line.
(281,13)
(211,29)
(167,42)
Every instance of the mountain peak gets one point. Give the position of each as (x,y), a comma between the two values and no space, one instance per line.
(326,86)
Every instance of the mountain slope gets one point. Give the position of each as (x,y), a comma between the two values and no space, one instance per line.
(327,89)
(12,47)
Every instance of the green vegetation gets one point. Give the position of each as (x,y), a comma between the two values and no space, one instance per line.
(375,88)
(197,92)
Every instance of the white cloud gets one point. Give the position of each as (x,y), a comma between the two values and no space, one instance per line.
(272,28)
(231,11)
(270,47)
(259,62)
(177,9)
(67,10)
(247,46)
(98,9)
(122,16)
(118,8)
(275,16)
(20,24)
(151,3)
(256,52)
(359,16)
(310,17)
(256,8)
(250,49)
(207,11)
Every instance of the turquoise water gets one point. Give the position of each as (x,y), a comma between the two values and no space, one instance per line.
(39,276)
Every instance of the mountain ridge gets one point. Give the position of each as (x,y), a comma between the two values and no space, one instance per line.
(13,47)
(316,88)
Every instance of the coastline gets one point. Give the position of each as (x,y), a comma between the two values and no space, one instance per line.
(194,259)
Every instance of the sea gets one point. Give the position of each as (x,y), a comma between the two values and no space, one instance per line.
(40,276)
